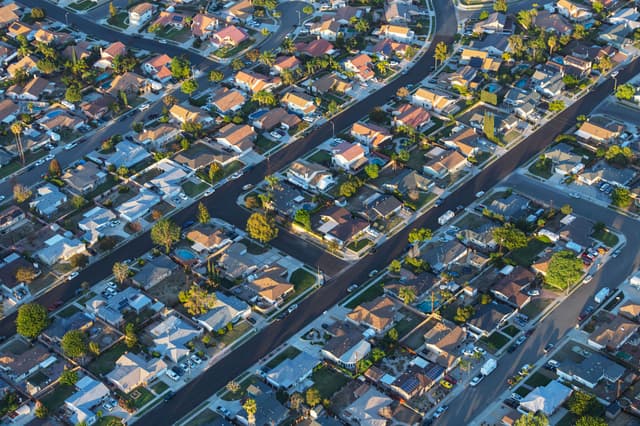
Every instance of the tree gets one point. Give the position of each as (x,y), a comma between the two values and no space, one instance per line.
(214,172)
(77,201)
(500,6)
(203,213)
(621,156)
(590,420)
(605,64)
(79,260)
(419,235)
(37,14)
(313,397)
(488,126)
(287,46)
(402,92)
(233,386)
(113,10)
(169,101)
(307,10)
(46,66)
(21,193)
(532,419)
(180,68)
(556,105)
(264,97)
(372,170)
(74,344)
(251,408)
(295,401)
(237,64)
(621,197)
(16,128)
(395,266)
(463,313)
(189,86)
(566,209)
(510,237)
(581,403)
(41,411)
(393,334)
(25,274)
(54,168)
(31,320)
(267,58)
(94,348)
(120,272)
(261,228)
(68,377)
(303,217)
(165,233)
(130,336)
(525,18)
(441,52)
(407,295)
(196,300)
(216,76)
(565,269)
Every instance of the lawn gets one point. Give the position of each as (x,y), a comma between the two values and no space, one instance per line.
(328,381)
(233,167)
(321,157)
(226,52)
(10,168)
(537,379)
(302,280)
(83,5)
(193,189)
(408,323)
(108,421)
(238,330)
(522,391)
(495,341)
(264,144)
(607,238)
(68,311)
(356,246)
(289,353)
(54,399)
(535,307)
(526,255)
(244,384)
(174,34)
(120,20)
(542,168)
(107,360)
(140,396)
(366,296)
(511,330)
(159,387)
(205,417)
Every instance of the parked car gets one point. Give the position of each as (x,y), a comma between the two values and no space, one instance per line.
(511,349)
(446,384)
(73,275)
(585,314)
(373,273)
(480,351)
(476,380)
(292,308)
(440,411)
(226,413)
(236,175)
(533,292)
(172,375)
(196,359)
(247,187)
(548,347)
(70,146)
(587,279)
(145,106)
(352,288)
(169,395)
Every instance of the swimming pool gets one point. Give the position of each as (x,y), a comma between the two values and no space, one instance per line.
(185,254)
(53,114)
(425,305)
(492,87)
(257,114)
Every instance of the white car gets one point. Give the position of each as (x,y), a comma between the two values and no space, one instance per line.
(183,196)
(145,106)
(574,195)
(480,351)
(40,162)
(209,192)
(2,198)
(533,292)
(196,359)
(614,74)
(49,157)
(70,146)
(587,279)
(292,308)
(373,273)
(476,380)
(247,187)
(73,275)
(112,285)
(479,194)
(173,375)
(236,175)
(275,135)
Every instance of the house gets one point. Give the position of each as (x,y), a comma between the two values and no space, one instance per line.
(61,120)
(230,36)
(272,412)
(399,12)
(235,262)
(187,113)
(132,370)
(468,54)
(617,36)
(315,48)
(368,408)
(138,206)
(61,326)
(238,11)
(387,49)
(399,33)
(327,29)
(59,248)
(286,63)
(33,90)
(154,271)
(487,318)
(80,50)
(573,11)
(441,166)
(465,140)
(630,310)
(383,207)
(208,238)
(8,14)
(255,82)
(413,382)
(48,199)
(441,256)
(419,284)
(228,100)
(546,399)
(292,371)
(299,103)
(480,237)
(493,24)
(140,14)
(270,285)
(511,288)
(159,67)
(600,133)
(378,314)
(346,346)
(203,25)
(338,225)
(433,100)
(370,134)
(26,64)
(87,401)
(19,28)
(111,310)
(20,366)
(443,341)
(330,82)
(132,85)
(577,67)
(276,117)
(613,334)
(603,172)
(169,182)
(93,222)
(170,19)
(591,370)
(11,218)
(13,290)
(411,116)
(565,162)
(310,176)
(464,77)
(127,154)
(98,107)
(108,53)
(227,310)
(349,156)
(158,137)
(408,182)
(512,207)
(171,336)
(360,65)
(84,178)
(8,111)
(238,137)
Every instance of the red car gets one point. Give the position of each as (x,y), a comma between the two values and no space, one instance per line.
(450,379)
(55,305)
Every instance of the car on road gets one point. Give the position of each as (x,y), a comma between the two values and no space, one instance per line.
(73,275)
(70,146)
(40,162)
(616,253)
(510,402)
(145,106)
(440,411)
(587,279)
(55,305)
(49,157)
(547,348)
(209,192)
(236,175)
(511,349)
(292,308)
(446,384)
(247,187)
(479,194)
(614,74)
(2,198)
(162,41)
(169,395)
(585,314)
(373,273)
(516,397)
(439,202)
(352,288)
(574,195)
(520,340)
(476,380)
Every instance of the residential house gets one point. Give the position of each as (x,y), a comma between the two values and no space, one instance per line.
(170,19)
(443,341)
(59,248)
(87,401)
(309,176)
(48,199)
(573,11)
(286,63)
(330,82)
(411,116)
(338,225)
(8,111)
(370,134)
(577,67)
(26,64)
(235,263)
(230,36)
(60,326)
(80,50)
(202,154)
(62,120)
(565,162)
(127,154)
(112,310)
(630,310)
(170,337)
(93,222)
(465,140)
(480,237)
(327,29)
(299,103)
(254,82)
(227,310)
(413,382)
(441,166)
(228,100)
(238,137)
(383,207)
(488,318)
(346,346)
(238,11)
(591,370)
(606,133)
(132,85)
(368,408)
(132,370)
(444,255)
(169,183)
(546,399)
(464,77)
(271,285)
(408,182)
(613,334)
(208,238)
(468,54)
(32,91)
(617,36)
(140,14)
(12,290)
(154,271)
(188,113)
(360,65)
(8,14)
(349,156)
(203,25)
(399,12)
(603,172)
(138,206)
(493,24)
(158,137)
(512,207)
(11,218)
(20,366)
(495,44)
(292,371)
(387,49)
(19,28)
(511,288)
(399,33)
(552,22)
(84,178)
(377,315)
(433,100)
(272,412)
(108,53)
(159,67)
(315,48)
(96,108)
(276,117)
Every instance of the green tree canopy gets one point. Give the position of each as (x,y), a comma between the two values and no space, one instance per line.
(74,344)
(565,269)
(196,300)
(165,233)
(73,94)
(510,237)
(189,86)
(180,68)
(532,419)
(590,420)
(68,377)
(31,320)
(313,397)
(372,170)
(303,217)
(261,228)
(625,91)
(621,197)
(203,213)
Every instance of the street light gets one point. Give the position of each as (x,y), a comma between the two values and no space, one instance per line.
(298,17)
(66,18)
(333,129)
(615,80)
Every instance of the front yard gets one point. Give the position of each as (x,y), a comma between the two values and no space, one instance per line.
(302,280)
(607,238)
(104,363)
(525,256)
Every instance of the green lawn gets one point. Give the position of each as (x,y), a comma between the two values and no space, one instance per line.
(356,246)
(159,387)
(120,20)
(607,238)
(408,323)
(107,360)
(366,296)
(233,167)
(522,391)
(321,157)
(174,34)
(511,330)
(289,353)
(542,168)
(526,255)
(244,384)
(537,379)
(226,52)
(83,5)
(238,330)
(108,421)
(495,341)
(143,396)
(10,168)
(205,417)
(264,144)
(535,307)
(194,189)
(54,399)
(68,311)
(302,280)
(328,381)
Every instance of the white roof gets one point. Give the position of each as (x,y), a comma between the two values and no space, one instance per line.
(546,398)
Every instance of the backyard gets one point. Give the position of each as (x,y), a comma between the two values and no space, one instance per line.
(54,399)
(526,255)
(328,381)
(495,341)
(104,363)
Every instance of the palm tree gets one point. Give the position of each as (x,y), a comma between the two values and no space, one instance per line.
(16,129)
(267,58)
(552,42)
(272,181)
(287,45)
(251,408)
(407,295)
(440,54)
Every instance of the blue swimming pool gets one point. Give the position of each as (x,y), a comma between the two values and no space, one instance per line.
(426,305)
(492,87)
(257,114)
(521,84)
(185,254)
(54,113)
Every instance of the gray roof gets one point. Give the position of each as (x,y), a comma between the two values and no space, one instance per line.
(487,317)
(289,372)
(227,310)
(511,207)
(593,368)
(155,271)
(270,410)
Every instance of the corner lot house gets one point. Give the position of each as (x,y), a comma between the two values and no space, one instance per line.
(140,13)
(309,175)
(19,366)
(230,36)
(346,346)
(171,336)
(132,370)
(378,315)
(86,401)
(591,370)
(59,248)
(84,177)
(228,310)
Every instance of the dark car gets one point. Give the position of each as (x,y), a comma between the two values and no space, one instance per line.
(585,314)
(510,402)
(512,348)
(548,348)
(169,395)
(459,208)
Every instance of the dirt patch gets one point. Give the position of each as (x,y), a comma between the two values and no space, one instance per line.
(167,290)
